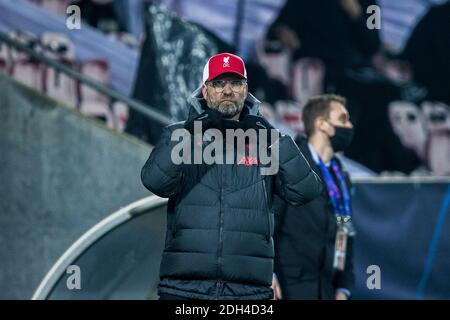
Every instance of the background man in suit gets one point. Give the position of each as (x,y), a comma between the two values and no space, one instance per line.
(305,237)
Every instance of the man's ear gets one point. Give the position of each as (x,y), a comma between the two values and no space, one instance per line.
(320,124)
(204,91)
(246,91)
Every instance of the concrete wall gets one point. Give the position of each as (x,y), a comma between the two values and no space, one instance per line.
(60,173)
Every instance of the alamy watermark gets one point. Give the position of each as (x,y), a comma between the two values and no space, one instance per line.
(73,20)
(374,280)
(74,280)
(249,147)
(374,21)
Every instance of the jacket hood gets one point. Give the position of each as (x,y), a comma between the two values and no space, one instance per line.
(197,103)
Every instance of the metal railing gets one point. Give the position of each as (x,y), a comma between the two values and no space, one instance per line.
(142,206)
(114,95)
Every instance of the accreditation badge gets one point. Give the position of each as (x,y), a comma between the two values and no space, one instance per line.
(340,249)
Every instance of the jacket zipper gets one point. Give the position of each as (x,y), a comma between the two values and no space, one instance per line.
(219,285)
(219,250)
(269,224)
(174,225)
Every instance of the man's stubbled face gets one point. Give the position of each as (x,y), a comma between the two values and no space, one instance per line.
(228,102)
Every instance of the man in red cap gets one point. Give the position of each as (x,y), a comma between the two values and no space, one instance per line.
(219,219)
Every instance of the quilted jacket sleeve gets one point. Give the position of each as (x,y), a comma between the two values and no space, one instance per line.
(296,183)
(160,174)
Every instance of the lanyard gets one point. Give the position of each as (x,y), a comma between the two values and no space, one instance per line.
(340,199)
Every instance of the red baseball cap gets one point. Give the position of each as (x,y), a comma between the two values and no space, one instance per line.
(224,63)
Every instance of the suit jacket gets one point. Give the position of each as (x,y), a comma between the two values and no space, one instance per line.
(304,244)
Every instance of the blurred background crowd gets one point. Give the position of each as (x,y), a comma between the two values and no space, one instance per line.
(392,64)
(64,173)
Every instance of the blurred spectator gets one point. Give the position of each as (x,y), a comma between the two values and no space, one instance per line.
(100,14)
(399,19)
(334,31)
(130,12)
(428,52)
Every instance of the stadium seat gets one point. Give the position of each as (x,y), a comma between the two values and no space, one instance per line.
(23,68)
(57,6)
(277,65)
(120,112)
(307,79)
(304,77)
(99,110)
(28,72)
(57,85)
(408,123)
(98,71)
(94,103)
(437,148)
(290,115)
(4,58)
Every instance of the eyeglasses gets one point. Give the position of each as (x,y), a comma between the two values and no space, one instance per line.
(219,85)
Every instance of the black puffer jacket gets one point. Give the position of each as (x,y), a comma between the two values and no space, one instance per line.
(220,222)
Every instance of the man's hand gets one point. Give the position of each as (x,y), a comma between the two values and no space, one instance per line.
(210,118)
(276,288)
(341,296)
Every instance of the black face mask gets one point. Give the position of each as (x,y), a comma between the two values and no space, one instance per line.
(342,138)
